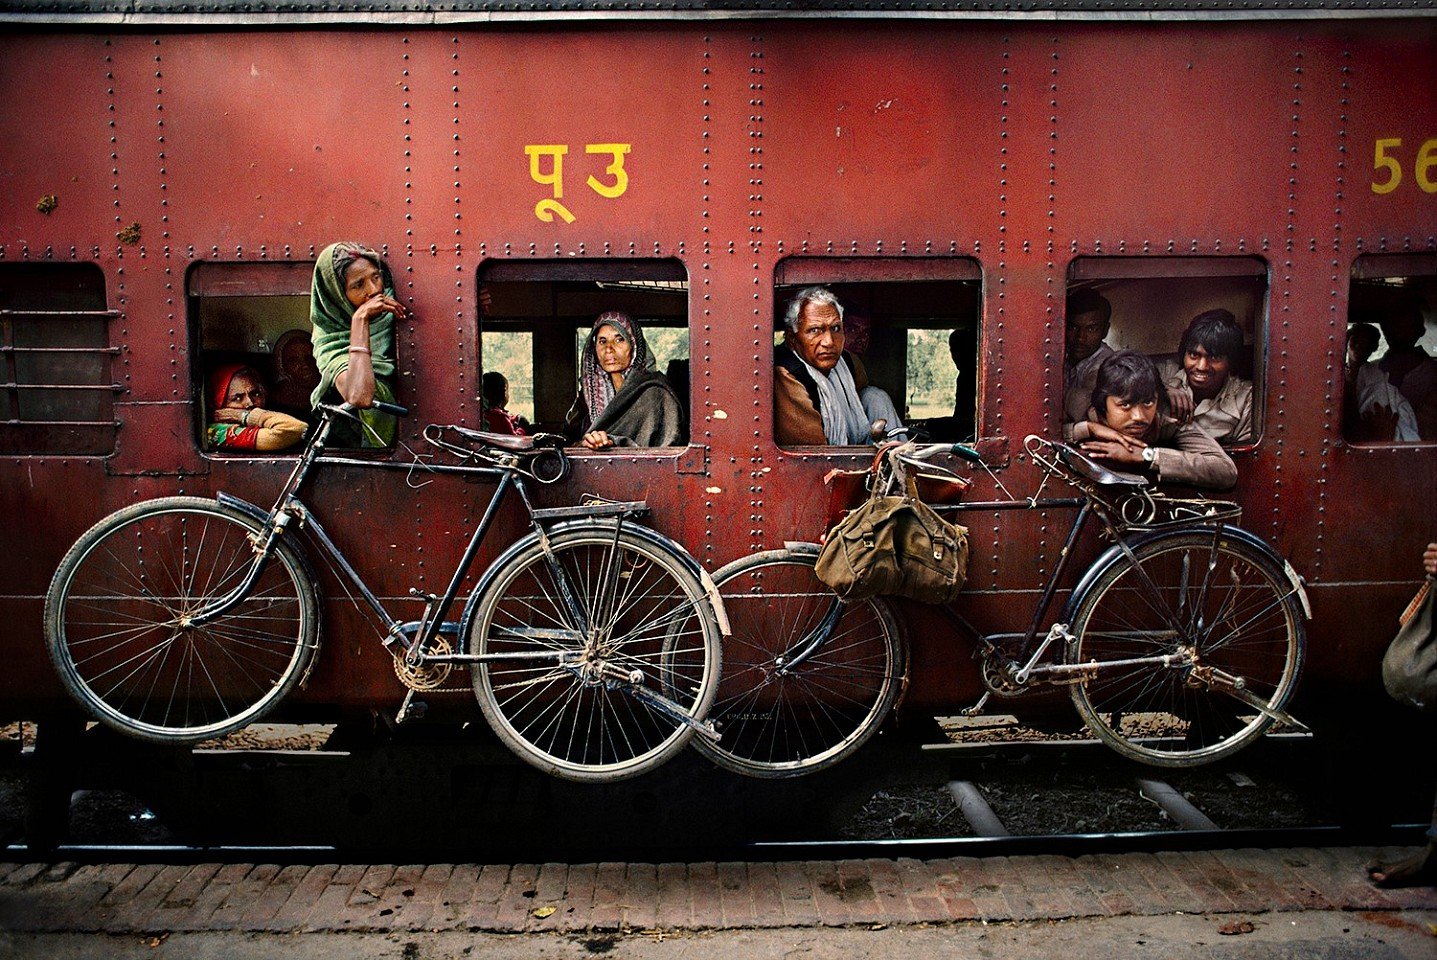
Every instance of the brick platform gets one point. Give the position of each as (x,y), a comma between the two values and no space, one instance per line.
(149,898)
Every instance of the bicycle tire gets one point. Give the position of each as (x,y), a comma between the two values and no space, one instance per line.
(1223,600)
(788,724)
(549,703)
(114,621)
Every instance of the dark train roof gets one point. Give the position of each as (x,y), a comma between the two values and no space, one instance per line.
(159,12)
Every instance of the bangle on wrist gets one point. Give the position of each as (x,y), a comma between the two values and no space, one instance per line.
(244,417)
(357,349)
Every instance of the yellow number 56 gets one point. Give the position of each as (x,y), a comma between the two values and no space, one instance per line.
(1421,169)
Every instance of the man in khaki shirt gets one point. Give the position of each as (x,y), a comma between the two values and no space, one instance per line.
(1088,316)
(1130,429)
(1200,385)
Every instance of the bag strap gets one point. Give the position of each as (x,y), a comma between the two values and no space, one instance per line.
(1422,593)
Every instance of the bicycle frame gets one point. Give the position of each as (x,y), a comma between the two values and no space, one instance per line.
(289,508)
(1113,510)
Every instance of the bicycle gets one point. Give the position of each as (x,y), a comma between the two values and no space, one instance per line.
(593,642)
(1180,644)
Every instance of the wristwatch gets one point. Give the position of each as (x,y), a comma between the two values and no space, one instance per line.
(1150,454)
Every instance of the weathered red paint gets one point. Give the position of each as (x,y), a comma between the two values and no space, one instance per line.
(1019,145)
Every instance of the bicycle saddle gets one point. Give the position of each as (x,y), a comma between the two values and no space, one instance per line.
(1090,469)
(504,441)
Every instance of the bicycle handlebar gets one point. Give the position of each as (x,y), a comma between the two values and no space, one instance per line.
(349,410)
(393,409)
(960,450)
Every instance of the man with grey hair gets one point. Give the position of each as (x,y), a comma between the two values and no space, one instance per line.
(821,393)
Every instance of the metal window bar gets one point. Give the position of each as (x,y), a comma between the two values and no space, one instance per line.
(6,348)
(112,387)
(57,423)
(59,313)
(10,371)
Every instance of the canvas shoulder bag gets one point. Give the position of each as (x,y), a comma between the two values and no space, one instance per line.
(895,545)
(1409,668)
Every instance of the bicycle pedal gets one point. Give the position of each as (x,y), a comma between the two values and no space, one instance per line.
(411,709)
(976,709)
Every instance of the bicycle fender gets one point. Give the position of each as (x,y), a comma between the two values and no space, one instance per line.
(674,547)
(715,599)
(243,506)
(1115,553)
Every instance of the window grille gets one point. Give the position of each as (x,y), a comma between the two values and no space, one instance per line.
(56,387)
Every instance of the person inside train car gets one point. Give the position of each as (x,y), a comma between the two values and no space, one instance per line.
(494,387)
(1128,425)
(623,400)
(353,309)
(1088,316)
(963,348)
(1200,383)
(1405,373)
(1419,869)
(239,419)
(1362,342)
(961,426)
(1379,424)
(820,391)
(296,374)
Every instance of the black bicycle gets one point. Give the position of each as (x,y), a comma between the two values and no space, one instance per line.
(593,641)
(1180,644)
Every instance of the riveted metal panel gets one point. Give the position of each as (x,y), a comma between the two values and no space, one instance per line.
(1388,204)
(1014,147)
(332,11)
(872,134)
(71,151)
(1165,134)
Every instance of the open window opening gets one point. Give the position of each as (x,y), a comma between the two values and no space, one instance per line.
(57,395)
(906,346)
(1390,374)
(251,332)
(1201,320)
(535,325)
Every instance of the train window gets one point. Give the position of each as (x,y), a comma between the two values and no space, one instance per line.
(1390,374)
(1200,319)
(910,336)
(535,321)
(58,391)
(252,336)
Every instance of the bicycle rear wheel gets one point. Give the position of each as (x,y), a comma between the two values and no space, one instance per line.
(117,629)
(601,648)
(1221,605)
(778,721)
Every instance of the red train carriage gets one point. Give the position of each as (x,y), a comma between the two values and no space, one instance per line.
(951,170)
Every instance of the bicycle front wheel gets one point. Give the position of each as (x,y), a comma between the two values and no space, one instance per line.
(1229,615)
(779,718)
(601,653)
(118,629)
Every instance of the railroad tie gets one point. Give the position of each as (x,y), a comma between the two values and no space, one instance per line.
(975,809)
(1175,805)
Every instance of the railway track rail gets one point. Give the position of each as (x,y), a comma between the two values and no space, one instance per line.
(402,800)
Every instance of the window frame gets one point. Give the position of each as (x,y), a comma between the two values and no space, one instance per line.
(1092,269)
(797,271)
(250,279)
(1403,264)
(595,270)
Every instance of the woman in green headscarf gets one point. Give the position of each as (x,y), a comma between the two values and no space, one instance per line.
(353,309)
